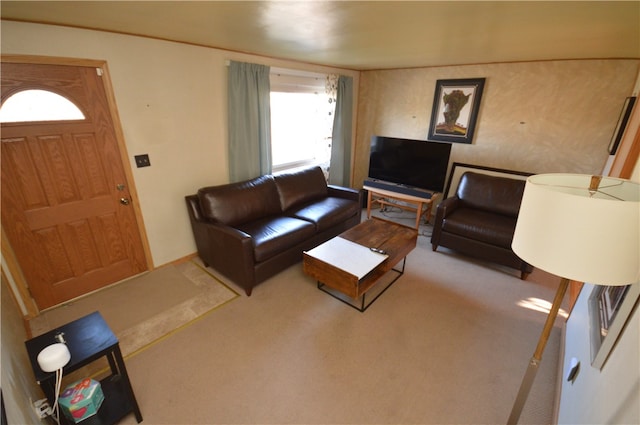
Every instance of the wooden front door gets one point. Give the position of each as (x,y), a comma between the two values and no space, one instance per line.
(66,204)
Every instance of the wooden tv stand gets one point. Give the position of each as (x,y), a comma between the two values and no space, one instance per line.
(421,206)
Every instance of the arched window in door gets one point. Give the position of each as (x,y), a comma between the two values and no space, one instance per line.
(38,105)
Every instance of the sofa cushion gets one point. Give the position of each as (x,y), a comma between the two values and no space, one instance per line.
(327,212)
(236,203)
(276,234)
(494,229)
(491,193)
(300,187)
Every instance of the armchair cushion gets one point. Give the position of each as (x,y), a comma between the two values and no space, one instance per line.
(491,193)
(482,226)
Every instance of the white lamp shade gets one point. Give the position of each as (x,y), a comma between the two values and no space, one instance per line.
(54,357)
(565,230)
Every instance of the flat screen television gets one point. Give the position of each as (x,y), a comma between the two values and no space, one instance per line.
(414,163)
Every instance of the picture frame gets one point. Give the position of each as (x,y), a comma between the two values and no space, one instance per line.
(623,119)
(609,310)
(455,110)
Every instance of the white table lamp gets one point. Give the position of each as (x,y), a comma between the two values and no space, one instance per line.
(54,358)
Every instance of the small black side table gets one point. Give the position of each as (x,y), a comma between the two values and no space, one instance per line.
(88,339)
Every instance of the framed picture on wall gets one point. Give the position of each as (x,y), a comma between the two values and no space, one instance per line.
(455,110)
(609,310)
(627,107)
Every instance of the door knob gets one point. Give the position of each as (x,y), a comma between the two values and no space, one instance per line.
(124,201)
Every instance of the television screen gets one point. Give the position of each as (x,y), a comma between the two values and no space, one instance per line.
(414,163)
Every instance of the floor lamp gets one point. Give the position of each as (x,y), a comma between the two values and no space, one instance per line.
(578,227)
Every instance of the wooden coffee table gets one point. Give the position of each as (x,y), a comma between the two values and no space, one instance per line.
(347,265)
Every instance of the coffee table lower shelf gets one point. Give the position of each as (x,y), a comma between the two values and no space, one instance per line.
(363,305)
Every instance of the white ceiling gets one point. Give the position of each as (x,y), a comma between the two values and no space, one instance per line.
(363,35)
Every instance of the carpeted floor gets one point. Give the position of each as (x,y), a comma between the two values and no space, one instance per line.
(447,344)
(143,310)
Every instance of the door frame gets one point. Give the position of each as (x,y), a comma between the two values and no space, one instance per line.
(10,267)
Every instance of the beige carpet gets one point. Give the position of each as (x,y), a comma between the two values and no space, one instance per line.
(447,344)
(143,310)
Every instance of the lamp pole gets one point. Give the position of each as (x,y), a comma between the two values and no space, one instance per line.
(532,369)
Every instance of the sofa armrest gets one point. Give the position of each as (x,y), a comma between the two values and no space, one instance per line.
(229,245)
(345,193)
(224,248)
(445,208)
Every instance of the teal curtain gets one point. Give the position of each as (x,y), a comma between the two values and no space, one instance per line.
(340,168)
(249,121)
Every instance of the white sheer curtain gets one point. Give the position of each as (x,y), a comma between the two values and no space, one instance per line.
(249,121)
(340,168)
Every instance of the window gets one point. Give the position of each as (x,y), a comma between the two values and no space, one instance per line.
(301,120)
(38,105)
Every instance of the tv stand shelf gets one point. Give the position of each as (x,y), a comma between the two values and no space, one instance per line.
(422,206)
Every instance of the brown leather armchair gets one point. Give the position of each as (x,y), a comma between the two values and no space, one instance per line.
(480,219)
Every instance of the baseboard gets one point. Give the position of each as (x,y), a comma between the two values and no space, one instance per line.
(560,375)
(180,260)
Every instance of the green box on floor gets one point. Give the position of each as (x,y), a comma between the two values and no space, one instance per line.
(81,400)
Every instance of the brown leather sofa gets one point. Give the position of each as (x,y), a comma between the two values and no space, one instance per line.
(480,219)
(251,230)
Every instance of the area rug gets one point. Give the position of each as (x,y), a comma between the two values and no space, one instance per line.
(148,308)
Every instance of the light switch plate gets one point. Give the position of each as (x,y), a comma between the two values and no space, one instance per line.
(142,160)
